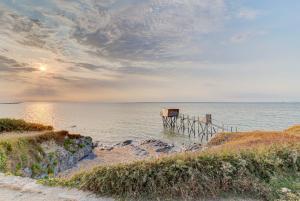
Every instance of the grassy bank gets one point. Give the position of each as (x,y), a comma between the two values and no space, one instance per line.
(248,164)
(22,152)
(8,125)
(18,150)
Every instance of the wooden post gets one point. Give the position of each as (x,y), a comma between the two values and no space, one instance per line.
(194,125)
(198,126)
(208,119)
(206,132)
(204,127)
(188,124)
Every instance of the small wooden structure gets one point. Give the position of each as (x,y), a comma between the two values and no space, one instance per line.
(169,117)
(204,128)
(169,112)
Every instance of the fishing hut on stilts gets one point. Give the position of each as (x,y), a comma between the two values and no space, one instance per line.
(204,127)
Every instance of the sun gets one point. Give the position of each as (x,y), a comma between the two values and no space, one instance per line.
(43,68)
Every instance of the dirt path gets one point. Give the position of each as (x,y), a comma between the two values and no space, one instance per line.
(7,135)
(14,188)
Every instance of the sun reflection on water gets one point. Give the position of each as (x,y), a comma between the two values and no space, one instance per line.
(39,113)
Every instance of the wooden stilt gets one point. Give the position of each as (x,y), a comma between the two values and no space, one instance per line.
(184,124)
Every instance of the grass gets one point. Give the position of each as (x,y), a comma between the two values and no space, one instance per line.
(20,151)
(255,164)
(9,125)
(291,182)
(249,140)
(17,152)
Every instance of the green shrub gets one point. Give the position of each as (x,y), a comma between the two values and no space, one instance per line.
(191,176)
(19,151)
(3,160)
(8,125)
(36,169)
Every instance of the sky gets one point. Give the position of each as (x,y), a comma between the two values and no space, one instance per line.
(149,50)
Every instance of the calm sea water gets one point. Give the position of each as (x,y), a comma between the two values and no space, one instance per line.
(113,122)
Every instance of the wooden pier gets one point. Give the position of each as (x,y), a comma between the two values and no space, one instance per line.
(204,127)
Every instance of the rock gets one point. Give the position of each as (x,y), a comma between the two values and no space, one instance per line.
(95,144)
(60,157)
(139,151)
(105,147)
(27,172)
(108,148)
(192,147)
(125,143)
(164,149)
(68,159)
(91,156)
(158,145)
(41,176)
(285,190)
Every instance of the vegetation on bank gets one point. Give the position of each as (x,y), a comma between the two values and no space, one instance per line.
(255,163)
(22,152)
(258,164)
(8,125)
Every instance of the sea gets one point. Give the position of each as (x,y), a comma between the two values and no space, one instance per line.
(111,123)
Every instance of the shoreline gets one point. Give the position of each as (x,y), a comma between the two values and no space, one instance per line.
(129,151)
(12,103)
(231,163)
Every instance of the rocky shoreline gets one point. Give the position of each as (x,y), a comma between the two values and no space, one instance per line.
(42,154)
(47,154)
(158,146)
(128,151)
(59,158)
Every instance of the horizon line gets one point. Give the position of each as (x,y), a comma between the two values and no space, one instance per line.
(128,102)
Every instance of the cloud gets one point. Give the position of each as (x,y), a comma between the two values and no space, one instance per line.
(134,30)
(248,14)
(40,91)
(246,36)
(9,65)
(152,30)
(124,46)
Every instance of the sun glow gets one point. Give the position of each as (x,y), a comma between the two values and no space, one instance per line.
(43,68)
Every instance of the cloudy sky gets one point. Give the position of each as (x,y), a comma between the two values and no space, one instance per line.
(149,50)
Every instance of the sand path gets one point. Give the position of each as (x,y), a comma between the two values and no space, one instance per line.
(8,135)
(14,188)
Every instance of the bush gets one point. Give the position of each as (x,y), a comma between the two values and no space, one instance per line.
(19,151)
(191,176)
(8,125)
(3,160)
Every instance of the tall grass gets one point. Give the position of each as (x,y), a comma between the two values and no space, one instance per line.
(20,151)
(8,125)
(194,176)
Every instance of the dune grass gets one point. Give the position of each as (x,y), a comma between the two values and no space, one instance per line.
(18,151)
(256,139)
(9,125)
(239,164)
(22,149)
